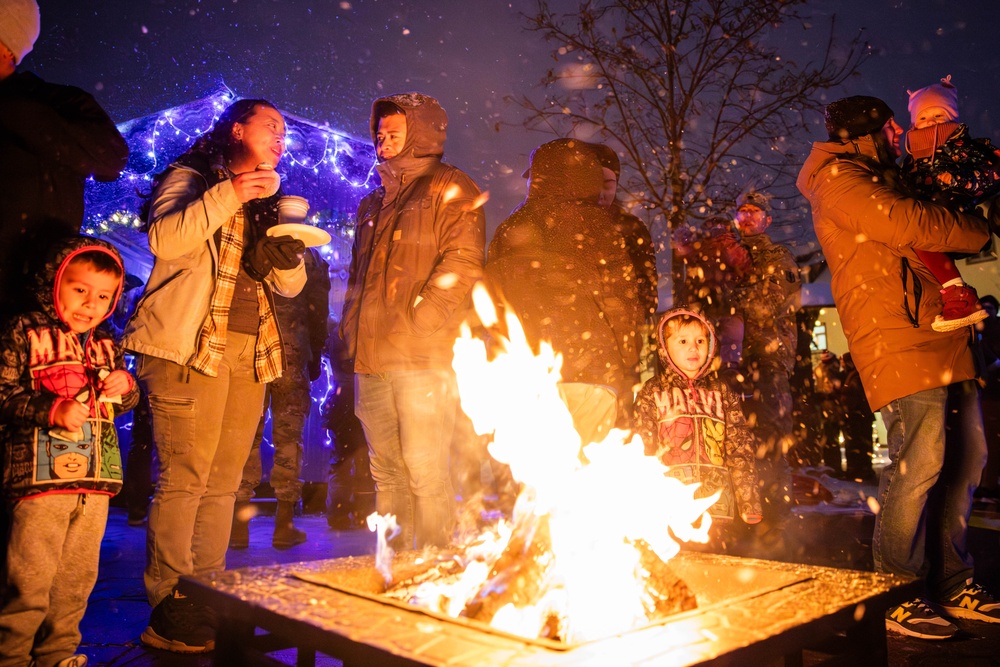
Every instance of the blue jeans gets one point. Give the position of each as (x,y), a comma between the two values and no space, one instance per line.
(937,451)
(203,428)
(409,421)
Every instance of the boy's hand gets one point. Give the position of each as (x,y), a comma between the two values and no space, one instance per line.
(115,384)
(70,415)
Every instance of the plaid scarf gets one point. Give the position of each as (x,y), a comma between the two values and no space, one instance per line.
(268,357)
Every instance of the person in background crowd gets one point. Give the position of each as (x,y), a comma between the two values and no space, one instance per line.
(138,486)
(52,138)
(859,422)
(61,383)
(208,343)
(715,262)
(768,294)
(302,320)
(922,381)
(418,250)
(988,353)
(828,382)
(350,490)
(560,265)
(642,254)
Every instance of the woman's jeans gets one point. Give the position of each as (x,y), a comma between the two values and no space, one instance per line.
(203,428)
(937,451)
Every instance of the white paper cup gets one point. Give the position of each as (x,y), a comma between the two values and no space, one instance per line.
(292,209)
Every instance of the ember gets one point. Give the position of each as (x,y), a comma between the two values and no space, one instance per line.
(585,553)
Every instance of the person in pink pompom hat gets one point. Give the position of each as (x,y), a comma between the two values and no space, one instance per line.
(944,164)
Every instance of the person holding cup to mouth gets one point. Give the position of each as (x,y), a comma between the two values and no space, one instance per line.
(207,343)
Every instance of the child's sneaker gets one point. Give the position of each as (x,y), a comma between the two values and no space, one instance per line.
(960,309)
(972,601)
(181,626)
(916,619)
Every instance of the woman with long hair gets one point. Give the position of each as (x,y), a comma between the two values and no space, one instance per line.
(207,343)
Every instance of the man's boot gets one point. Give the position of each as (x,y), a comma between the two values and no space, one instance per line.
(285,533)
(239,535)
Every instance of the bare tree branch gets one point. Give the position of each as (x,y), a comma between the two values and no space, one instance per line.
(692,94)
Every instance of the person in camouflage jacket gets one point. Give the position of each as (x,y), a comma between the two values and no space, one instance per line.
(768,294)
(302,319)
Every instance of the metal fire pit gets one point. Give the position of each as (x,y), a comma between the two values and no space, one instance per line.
(713,583)
(750,612)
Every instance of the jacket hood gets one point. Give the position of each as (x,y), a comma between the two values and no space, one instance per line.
(565,170)
(426,123)
(665,359)
(45,280)
(824,152)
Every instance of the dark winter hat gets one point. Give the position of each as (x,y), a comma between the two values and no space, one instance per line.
(19,26)
(853,117)
(547,152)
(565,168)
(607,157)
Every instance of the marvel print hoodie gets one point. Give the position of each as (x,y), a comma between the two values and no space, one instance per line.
(42,361)
(695,427)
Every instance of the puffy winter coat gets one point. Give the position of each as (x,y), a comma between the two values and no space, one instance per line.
(418,250)
(869,228)
(44,362)
(560,263)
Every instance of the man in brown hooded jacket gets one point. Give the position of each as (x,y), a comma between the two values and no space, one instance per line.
(418,250)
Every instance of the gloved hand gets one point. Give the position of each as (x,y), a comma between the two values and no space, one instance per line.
(273,252)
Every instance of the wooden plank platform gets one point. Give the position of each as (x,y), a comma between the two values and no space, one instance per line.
(264,609)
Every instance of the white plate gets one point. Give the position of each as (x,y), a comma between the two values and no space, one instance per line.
(309,235)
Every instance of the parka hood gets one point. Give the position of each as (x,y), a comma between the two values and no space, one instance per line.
(661,340)
(824,152)
(426,123)
(45,280)
(565,170)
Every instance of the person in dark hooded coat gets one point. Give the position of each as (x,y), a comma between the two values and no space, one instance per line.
(561,265)
(418,250)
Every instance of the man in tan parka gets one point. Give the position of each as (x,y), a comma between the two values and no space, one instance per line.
(922,381)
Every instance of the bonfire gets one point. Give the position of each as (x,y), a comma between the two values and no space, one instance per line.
(585,551)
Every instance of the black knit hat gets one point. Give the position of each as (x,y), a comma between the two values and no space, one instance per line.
(853,117)
(607,157)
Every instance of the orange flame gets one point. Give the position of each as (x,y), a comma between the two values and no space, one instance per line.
(597,506)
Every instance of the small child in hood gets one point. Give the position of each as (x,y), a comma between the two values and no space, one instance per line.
(944,164)
(694,424)
(61,383)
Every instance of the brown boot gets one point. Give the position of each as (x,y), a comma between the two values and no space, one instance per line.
(285,533)
(239,535)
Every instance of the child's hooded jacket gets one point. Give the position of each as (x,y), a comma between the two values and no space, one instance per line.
(697,429)
(42,361)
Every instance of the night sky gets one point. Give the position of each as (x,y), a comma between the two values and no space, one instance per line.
(327,60)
